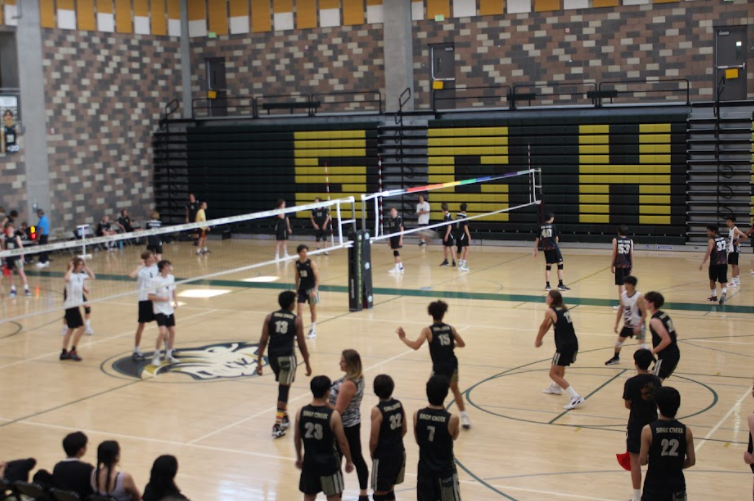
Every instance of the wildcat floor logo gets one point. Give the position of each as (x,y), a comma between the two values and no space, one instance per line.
(214,361)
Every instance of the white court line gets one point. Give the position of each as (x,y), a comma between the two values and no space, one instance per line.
(714,429)
(102,340)
(717,341)
(305,395)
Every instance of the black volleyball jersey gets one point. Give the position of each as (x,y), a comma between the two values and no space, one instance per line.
(320,453)
(154,240)
(394,224)
(435,442)
(281,224)
(639,390)
(447,218)
(10,242)
(461,224)
(306,275)
(565,335)
(623,256)
(442,348)
(282,333)
(548,235)
(719,254)
(672,348)
(666,456)
(390,442)
(320,216)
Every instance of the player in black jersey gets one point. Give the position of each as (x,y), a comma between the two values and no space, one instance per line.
(395,225)
(667,445)
(549,239)
(717,253)
(322,224)
(282,231)
(281,329)
(435,429)
(463,238)
(448,241)
(154,242)
(442,339)
(12,241)
(389,426)
(622,261)
(318,428)
(307,286)
(566,347)
(637,397)
(664,337)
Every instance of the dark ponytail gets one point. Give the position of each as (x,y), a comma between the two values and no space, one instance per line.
(162,476)
(107,455)
(557,300)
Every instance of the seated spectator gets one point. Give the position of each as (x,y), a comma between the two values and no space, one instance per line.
(162,480)
(72,474)
(107,481)
(105,228)
(17,470)
(125,223)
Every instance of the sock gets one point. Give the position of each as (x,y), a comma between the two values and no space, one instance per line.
(205,249)
(714,292)
(314,325)
(571,392)
(12,287)
(279,416)
(725,290)
(637,495)
(87,323)
(463,414)
(547,283)
(136,349)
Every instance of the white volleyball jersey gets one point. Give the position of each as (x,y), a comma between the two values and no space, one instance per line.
(631,312)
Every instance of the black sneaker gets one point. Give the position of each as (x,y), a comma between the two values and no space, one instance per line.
(562,287)
(65,356)
(74,356)
(547,287)
(277,431)
(722,300)
(454,264)
(444,263)
(712,299)
(613,361)
(285,423)
(422,244)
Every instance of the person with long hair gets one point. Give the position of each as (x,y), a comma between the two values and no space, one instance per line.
(566,347)
(345,397)
(162,480)
(107,480)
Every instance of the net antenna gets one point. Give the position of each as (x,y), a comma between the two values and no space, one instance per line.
(534,183)
(113,281)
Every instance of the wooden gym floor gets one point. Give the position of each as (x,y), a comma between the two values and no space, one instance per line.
(216,416)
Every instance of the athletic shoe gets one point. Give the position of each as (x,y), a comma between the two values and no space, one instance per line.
(463,268)
(712,299)
(198,252)
(401,269)
(12,293)
(445,263)
(138,355)
(43,265)
(285,423)
(553,390)
(454,263)
(72,355)
(422,244)
(615,307)
(563,287)
(312,334)
(65,356)
(27,292)
(156,360)
(613,361)
(722,300)
(88,331)
(547,287)
(393,270)
(277,431)
(465,422)
(277,257)
(326,253)
(206,251)
(574,403)
(171,359)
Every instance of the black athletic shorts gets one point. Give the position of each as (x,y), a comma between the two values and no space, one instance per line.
(449,372)
(395,243)
(434,488)
(284,368)
(281,234)
(312,482)
(663,495)
(14,263)
(718,273)
(73,318)
(627,332)
(388,472)
(564,358)
(450,242)
(733,258)
(553,256)
(164,320)
(633,440)
(146,312)
(462,242)
(322,233)
(157,249)
(621,274)
(304,296)
(665,366)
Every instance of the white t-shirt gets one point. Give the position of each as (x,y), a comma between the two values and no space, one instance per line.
(734,241)
(424,218)
(74,290)
(162,287)
(631,312)
(144,278)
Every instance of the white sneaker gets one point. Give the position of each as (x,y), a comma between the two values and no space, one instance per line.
(393,270)
(401,269)
(463,268)
(88,331)
(312,334)
(277,257)
(553,390)
(41,265)
(574,403)
(156,360)
(615,307)
(465,421)
(171,359)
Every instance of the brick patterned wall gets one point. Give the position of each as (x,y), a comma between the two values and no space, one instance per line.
(655,40)
(321,60)
(104,94)
(13,183)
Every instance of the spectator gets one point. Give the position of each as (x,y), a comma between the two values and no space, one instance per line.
(13,216)
(192,207)
(72,474)
(107,481)
(105,228)
(43,231)
(17,470)
(124,221)
(162,480)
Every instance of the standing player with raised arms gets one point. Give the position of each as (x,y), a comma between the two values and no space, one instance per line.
(307,285)
(548,237)
(281,329)
(634,313)
(389,426)
(664,337)
(321,220)
(566,347)
(448,242)
(717,253)
(622,261)
(442,339)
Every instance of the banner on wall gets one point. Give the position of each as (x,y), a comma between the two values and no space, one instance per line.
(9,136)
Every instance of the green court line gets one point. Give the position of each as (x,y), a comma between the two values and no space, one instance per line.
(592,393)
(390,291)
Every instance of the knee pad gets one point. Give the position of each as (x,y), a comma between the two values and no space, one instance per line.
(560,266)
(396,253)
(619,344)
(283,392)
(548,267)
(88,310)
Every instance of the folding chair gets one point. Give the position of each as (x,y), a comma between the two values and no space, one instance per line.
(31,490)
(59,495)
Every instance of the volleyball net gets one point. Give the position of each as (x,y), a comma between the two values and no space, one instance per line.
(232,252)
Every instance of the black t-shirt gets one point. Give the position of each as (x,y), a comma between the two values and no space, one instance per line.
(446,219)
(394,224)
(442,348)
(320,216)
(666,457)
(154,240)
(192,208)
(565,334)
(10,241)
(390,442)
(320,455)
(435,443)
(638,390)
(461,224)
(152,493)
(282,333)
(751,450)
(73,475)
(548,236)
(670,350)
(102,227)
(125,222)
(306,275)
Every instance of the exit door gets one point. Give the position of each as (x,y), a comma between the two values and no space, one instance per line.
(731,55)
(443,68)
(218,107)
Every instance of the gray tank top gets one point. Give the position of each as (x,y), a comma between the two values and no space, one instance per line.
(118,492)
(352,415)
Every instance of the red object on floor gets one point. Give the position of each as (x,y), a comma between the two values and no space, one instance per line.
(624,460)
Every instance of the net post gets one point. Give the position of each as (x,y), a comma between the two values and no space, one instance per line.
(363,211)
(377,214)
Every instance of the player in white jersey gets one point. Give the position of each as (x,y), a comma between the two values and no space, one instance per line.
(144,274)
(165,301)
(75,277)
(634,313)
(734,247)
